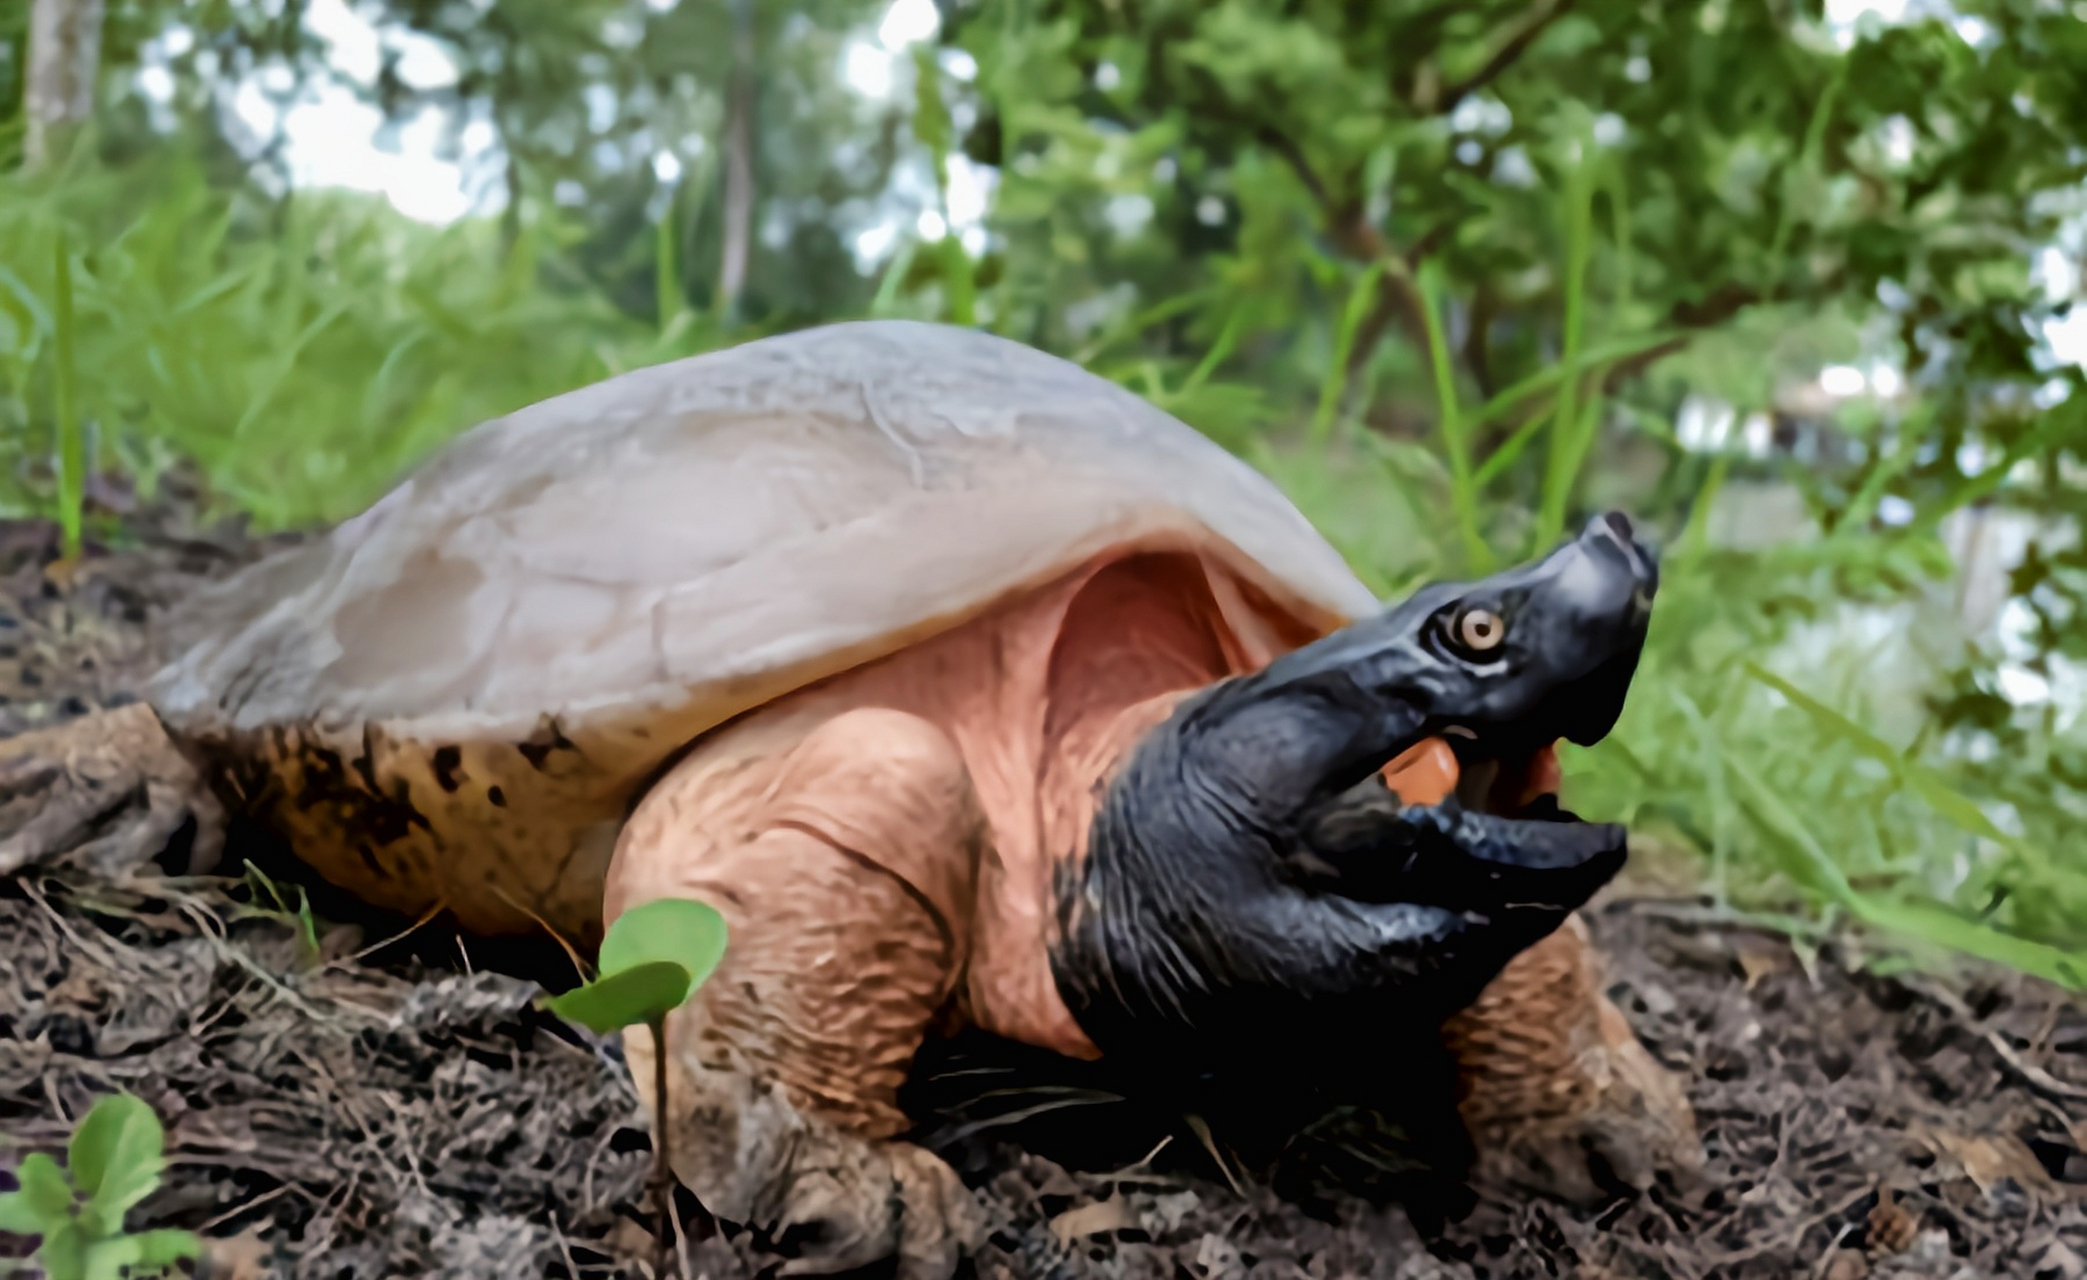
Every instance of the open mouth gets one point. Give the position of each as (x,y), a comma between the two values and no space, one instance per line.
(1520,785)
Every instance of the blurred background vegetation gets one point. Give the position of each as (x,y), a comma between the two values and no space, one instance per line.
(1798,285)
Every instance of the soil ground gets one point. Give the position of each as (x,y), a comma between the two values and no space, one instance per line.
(343,1106)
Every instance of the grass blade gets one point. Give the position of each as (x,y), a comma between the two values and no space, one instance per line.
(1710,758)
(1227,338)
(1456,443)
(72,440)
(666,271)
(1566,455)
(1804,860)
(1695,535)
(1336,378)
(1958,809)
(894,275)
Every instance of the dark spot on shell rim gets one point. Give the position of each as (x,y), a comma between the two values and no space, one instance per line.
(445,762)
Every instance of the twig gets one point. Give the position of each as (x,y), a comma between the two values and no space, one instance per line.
(2037,1078)
(572,1268)
(382,943)
(1146,1160)
(95,949)
(570,953)
(587,1174)
(50,1093)
(330,1213)
(1209,1141)
(1826,1254)
(1790,1238)
(1287,147)
(246,1206)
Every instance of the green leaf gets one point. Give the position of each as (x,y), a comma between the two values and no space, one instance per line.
(681,930)
(162,1248)
(147,1251)
(45,1191)
(629,996)
(115,1154)
(1360,299)
(1456,443)
(18,1215)
(64,1253)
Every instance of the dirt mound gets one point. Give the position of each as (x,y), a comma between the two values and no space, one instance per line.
(401,1110)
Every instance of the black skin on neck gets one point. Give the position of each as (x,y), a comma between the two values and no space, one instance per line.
(1256,904)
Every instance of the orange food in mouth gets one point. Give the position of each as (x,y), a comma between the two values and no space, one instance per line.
(1429,772)
(1424,773)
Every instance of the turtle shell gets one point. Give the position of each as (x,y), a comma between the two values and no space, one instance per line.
(452,698)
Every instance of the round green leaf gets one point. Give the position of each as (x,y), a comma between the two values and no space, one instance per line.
(147,1252)
(629,996)
(19,1216)
(45,1193)
(64,1253)
(115,1154)
(681,930)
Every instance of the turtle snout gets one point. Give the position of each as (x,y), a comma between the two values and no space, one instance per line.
(1611,540)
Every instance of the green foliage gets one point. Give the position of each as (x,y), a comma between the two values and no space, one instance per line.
(652,959)
(76,1213)
(1732,159)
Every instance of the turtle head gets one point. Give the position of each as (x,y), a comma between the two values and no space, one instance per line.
(1544,651)
(1501,668)
(1250,863)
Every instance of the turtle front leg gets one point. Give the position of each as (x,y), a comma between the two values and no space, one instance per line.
(846,877)
(1558,1093)
(108,790)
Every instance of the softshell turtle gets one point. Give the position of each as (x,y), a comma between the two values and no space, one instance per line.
(973,690)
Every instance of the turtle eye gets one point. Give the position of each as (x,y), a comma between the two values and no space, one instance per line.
(1481,630)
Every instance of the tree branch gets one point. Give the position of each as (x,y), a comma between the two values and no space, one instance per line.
(1509,53)
(1286,146)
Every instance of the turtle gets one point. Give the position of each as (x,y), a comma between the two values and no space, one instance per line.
(975,691)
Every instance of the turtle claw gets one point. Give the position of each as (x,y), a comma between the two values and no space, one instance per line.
(940,1219)
(1593,1158)
(108,791)
(829,1199)
(893,1200)
(1562,1097)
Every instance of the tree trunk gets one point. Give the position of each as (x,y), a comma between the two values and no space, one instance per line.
(739,163)
(64,55)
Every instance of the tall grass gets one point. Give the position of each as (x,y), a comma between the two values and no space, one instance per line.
(301,355)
